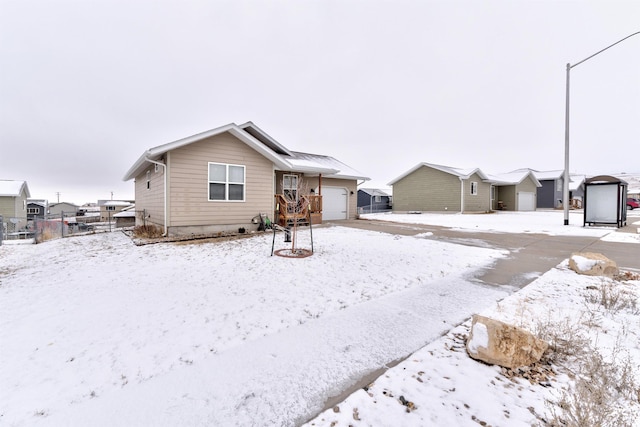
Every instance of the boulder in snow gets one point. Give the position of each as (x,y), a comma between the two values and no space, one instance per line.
(593,264)
(498,343)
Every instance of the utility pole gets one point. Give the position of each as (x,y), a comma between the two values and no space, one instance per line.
(566,177)
(58,194)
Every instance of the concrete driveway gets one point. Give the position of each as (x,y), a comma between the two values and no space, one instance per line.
(531,255)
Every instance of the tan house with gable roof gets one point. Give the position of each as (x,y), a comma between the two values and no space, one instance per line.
(109,208)
(515,191)
(430,187)
(222,179)
(13,204)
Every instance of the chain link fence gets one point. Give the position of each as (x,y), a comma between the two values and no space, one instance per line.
(12,228)
(66,224)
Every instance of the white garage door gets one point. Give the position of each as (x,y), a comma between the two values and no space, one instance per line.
(526,201)
(334,203)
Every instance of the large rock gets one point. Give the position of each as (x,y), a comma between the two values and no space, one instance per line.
(592,264)
(498,343)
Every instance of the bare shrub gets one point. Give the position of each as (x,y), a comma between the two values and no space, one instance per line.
(148,231)
(594,399)
(47,235)
(613,297)
(566,339)
(601,385)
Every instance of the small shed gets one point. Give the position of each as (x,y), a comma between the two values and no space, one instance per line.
(605,201)
(126,218)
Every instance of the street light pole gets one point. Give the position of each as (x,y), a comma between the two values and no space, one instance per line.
(565,179)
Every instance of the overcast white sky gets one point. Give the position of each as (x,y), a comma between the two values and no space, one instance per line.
(87,86)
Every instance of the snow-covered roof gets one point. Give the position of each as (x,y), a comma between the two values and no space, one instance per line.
(52,205)
(330,167)
(575,181)
(459,172)
(39,202)
(125,214)
(375,192)
(545,175)
(12,188)
(116,203)
(256,138)
(515,177)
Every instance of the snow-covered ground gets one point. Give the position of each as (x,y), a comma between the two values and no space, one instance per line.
(97,331)
(448,388)
(544,222)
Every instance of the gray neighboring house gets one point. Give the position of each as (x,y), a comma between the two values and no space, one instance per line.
(430,187)
(13,204)
(221,180)
(550,193)
(373,200)
(37,209)
(56,209)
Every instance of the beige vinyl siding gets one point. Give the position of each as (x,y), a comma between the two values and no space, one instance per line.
(21,206)
(189,189)
(350,184)
(508,193)
(150,201)
(7,207)
(479,202)
(427,189)
(527,186)
(14,207)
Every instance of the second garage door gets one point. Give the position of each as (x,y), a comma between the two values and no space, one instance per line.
(526,201)
(334,203)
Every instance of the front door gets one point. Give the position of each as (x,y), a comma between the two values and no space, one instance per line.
(290,187)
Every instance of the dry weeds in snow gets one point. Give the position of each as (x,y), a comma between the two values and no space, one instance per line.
(587,377)
(603,382)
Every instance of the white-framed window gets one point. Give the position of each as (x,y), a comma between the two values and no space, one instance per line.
(148,180)
(226,182)
(377,199)
(33,211)
(559,186)
(111,208)
(290,186)
(474,188)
